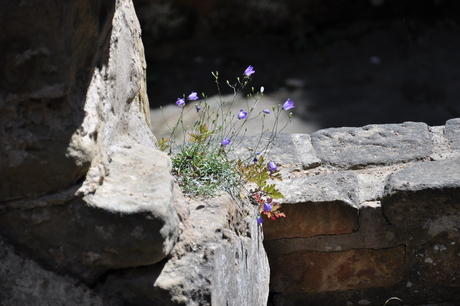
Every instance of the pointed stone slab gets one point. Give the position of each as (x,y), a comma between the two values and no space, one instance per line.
(385,144)
(453,133)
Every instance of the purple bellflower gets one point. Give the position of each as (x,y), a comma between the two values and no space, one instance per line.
(193,96)
(267,207)
(255,158)
(242,114)
(288,104)
(180,102)
(267,111)
(226,141)
(272,167)
(260,220)
(250,70)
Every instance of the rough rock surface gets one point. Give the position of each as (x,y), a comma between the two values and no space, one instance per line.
(372,212)
(452,135)
(394,231)
(85,196)
(294,149)
(83,188)
(329,201)
(218,260)
(376,144)
(24,282)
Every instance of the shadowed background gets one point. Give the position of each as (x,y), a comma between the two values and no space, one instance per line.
(344,63)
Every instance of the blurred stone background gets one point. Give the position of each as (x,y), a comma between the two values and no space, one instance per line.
(343,62)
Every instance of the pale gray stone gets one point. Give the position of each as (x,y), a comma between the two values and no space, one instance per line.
(453,133)
(219,260)
(225,263)
(373,144)
(423,192)
(330,187)
(288,150)
(305,151)
(439,175)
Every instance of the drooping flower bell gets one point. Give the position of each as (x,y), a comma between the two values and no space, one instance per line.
(267,207)
(272,167)
(225,142)
(180,102)
(242,114)
(250,70)
(288,104)
(260,220)
(193,96)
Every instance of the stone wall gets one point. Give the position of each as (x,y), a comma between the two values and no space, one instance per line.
(88,214)
(372,213)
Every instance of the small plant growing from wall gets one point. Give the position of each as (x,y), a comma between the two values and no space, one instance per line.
(200,156)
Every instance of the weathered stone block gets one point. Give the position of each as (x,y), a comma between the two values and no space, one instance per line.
(286,149)
(436,262)
(75,126)
(48,54)
(373,144)
(453,133)
(316,205)
(305,151)
(86,241)
(226,263)
(312,219)
(423,192)
(328,187)
(219,260)
(311,271)
(371,232)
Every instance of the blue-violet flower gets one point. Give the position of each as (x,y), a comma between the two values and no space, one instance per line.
(193,96)
(242,114)
(267,111)
(272,167)
(267,207)
(180,102)
(250,70)
(260,220)
(288,104)
(226,141)
(255,158)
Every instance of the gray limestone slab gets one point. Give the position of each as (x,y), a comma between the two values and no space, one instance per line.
(423,193)
(331,187)
(285,149)
(440,174)
(384,144)
(305,151)
(453,133)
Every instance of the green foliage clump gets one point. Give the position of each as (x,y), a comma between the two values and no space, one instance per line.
(202,172)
